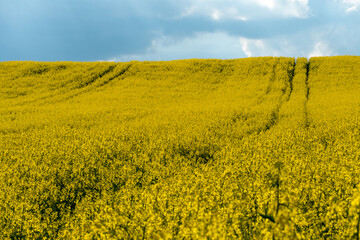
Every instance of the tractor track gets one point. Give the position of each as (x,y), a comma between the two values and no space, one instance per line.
(306,110)
(121,73)
(274,118)
(81,89)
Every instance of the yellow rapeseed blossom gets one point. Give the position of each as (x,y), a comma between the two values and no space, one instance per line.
(256,148)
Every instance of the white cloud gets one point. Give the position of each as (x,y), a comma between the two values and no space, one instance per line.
(353,2)
(266,3)
(351,5)
(320,49)
(202,45)
(245,47)
(245,9)
(267,47)
(255,47)
(213,9)
(309,45)
(224,46)
(216,14)
(352,9)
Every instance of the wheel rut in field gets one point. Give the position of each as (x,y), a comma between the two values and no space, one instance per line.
(307,120)
(283,98)
(291,74)
(272,78)
(82,88)
(96,82)
(121,73)
(274,117)
(99,76)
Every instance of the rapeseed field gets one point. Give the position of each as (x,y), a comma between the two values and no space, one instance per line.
(255,148)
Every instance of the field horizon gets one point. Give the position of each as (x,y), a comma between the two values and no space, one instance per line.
(175,60)
(249,148)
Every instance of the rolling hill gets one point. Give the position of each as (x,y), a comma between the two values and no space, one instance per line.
(255,148)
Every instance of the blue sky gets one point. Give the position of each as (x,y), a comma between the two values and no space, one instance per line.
(124,30)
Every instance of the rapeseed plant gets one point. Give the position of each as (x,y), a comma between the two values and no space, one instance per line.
(256,148)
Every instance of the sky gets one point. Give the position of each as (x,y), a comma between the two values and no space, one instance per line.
(125,30)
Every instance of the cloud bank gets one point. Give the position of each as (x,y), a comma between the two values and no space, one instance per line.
(119,30)
(244,10)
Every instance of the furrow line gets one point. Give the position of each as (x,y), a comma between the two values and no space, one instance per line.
(122,72)
(87,87)
(307,121)
(92,80)
(291,78)
(275,114)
